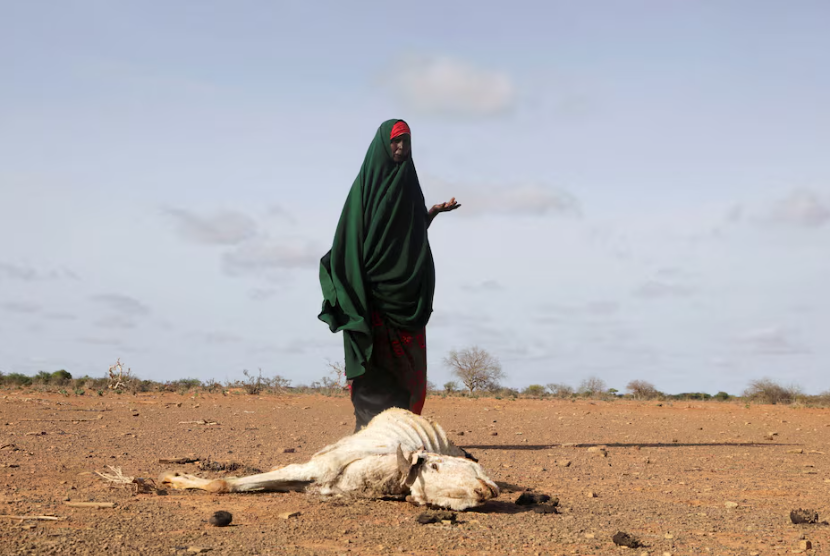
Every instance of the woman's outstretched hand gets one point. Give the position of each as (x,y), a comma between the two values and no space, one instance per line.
(444,207)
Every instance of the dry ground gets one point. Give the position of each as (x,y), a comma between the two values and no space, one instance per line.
(667,475)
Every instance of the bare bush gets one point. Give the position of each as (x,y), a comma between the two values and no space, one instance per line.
(279,384)
(642,390)
(450,387)
(475,367)
(592,386)
(119,379)
(253,384)
(767,390)
(560,390)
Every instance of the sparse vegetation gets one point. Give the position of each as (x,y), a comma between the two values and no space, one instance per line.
(535,391)
(642,390)
(450,387)
(767,390)
(253,384)
(485,372)
(591,387)
(560,390)
(475,368)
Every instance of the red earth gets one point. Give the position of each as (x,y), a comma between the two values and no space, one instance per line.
(681,477)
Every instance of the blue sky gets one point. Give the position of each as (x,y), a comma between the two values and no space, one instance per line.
(645,185)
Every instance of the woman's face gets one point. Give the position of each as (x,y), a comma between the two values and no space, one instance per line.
(401,147)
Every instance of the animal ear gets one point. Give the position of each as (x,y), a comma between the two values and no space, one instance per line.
(403,462)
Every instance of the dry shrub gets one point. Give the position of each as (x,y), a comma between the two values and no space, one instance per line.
(766,390)
(642,390)
(593,387)
(560,390)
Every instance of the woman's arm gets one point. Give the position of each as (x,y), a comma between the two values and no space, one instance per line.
(441,207)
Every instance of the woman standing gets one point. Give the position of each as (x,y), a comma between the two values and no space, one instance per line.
(378,279)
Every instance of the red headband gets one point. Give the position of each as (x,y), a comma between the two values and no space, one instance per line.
(400,128)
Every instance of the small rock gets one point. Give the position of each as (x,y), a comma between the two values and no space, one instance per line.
(546,508)
(668,536)
(796,451)
(803,516)
(435,516)
(494,433)
(532,498)
(289,515)
(621,538)
(731,504)
(595,449)
(221,519)
(590,536)
(196,549)
(563,463)
(288,450)
(805,545)
(591,494)
(460,433)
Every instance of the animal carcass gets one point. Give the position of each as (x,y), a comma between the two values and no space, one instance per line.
(398,454)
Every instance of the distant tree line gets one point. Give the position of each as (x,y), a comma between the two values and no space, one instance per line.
(479,374)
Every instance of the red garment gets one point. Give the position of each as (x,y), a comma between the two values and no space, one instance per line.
(402,354)
(400,128)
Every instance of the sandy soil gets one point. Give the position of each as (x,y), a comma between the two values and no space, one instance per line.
(666,477)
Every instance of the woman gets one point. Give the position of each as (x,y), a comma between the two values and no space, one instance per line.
(378,278)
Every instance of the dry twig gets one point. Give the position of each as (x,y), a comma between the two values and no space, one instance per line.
(90,504)
(35,517)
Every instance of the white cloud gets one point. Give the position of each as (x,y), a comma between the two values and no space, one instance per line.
(261,294)
(772,340)
(485,286)
(531,199)
(659,289)
(18,272)
(802,208)
(444,86)
(219,337)
(27,273)
(116,321)
(60,316)
(266,254)
(224,227)
(122,304)
(99,341)
(23,307)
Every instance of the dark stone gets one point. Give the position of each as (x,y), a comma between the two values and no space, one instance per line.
(221,519)
(436,516)
(532,498)
(624,539)
(803,516)
(545,509)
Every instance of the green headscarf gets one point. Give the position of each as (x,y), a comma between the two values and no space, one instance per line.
(380,259)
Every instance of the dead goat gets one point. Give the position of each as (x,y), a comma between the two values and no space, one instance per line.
(398,454)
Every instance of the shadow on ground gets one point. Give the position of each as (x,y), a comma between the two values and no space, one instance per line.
(618,445)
